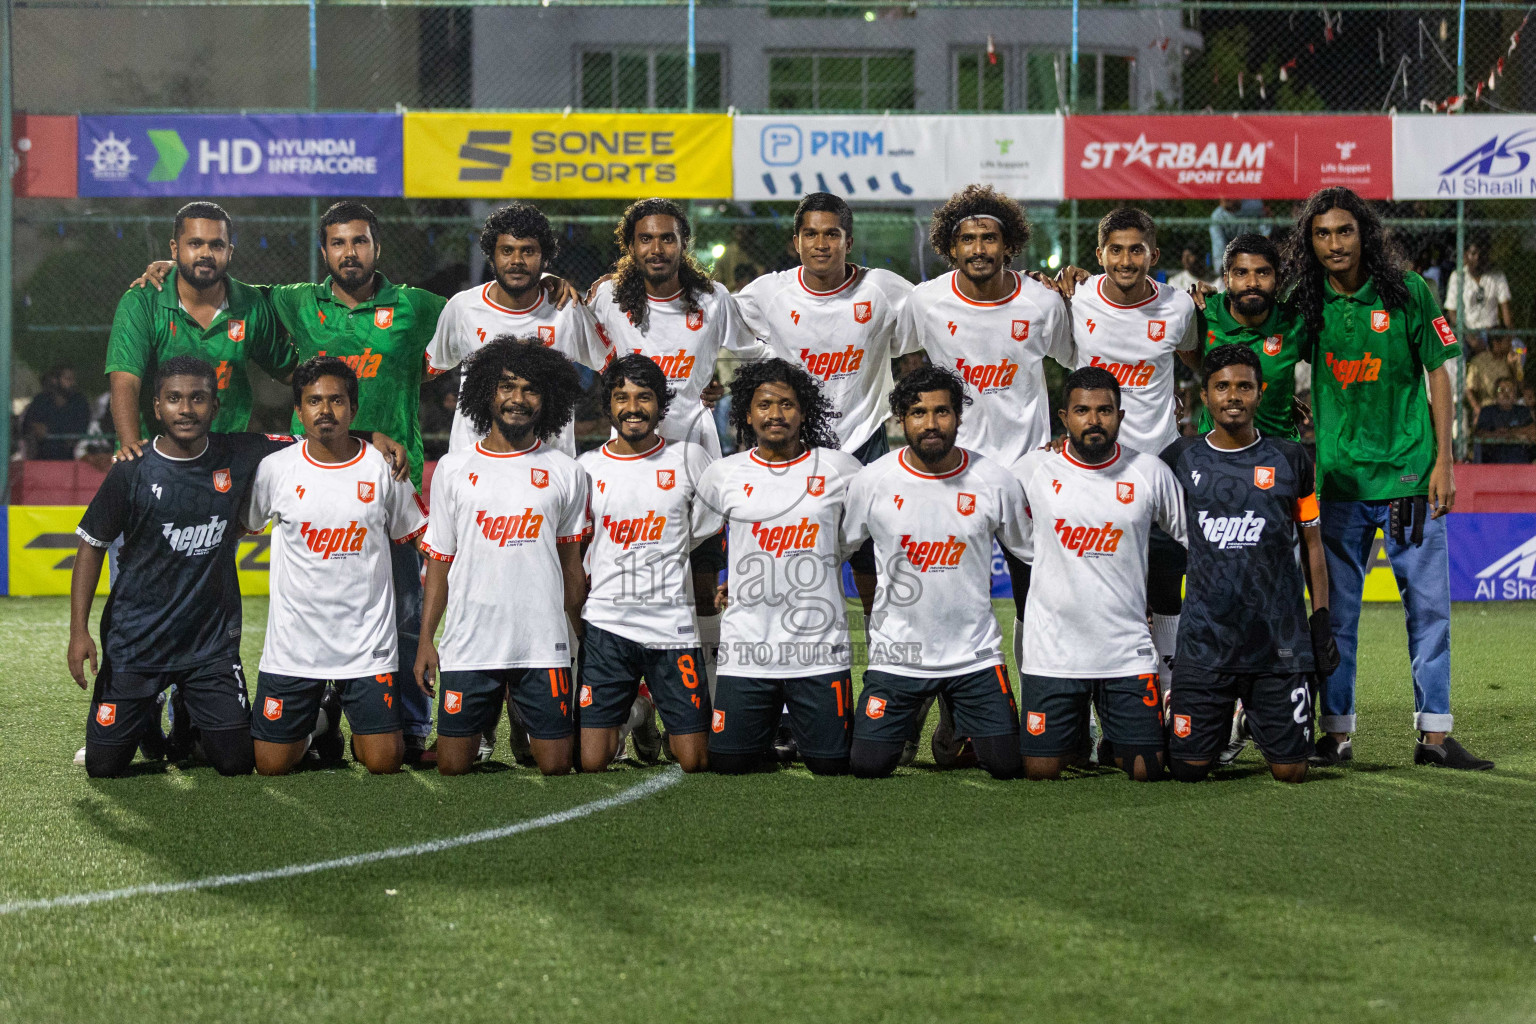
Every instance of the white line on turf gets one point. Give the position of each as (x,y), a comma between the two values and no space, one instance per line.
(670,777)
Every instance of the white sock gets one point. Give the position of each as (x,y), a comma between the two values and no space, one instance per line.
(709,640)
(322,723)
(1165,638)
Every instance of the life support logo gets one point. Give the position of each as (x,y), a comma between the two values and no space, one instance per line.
(1181,726)
(584,696)
(1021,330)
(221,481)
(717,721)
(539,477)
(965,504)
(547,335)
(365,491)
(695,319)
(1272,345)
(1263,477)
(236,330)
(1381,320)
(666,479)
(815,486)
(1157,330)
(1125,493)
(383,317)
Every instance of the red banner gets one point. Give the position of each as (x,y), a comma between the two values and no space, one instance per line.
(1285,156)
(45,159)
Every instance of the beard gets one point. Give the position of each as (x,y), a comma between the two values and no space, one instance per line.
(352,274)
(1093,445)
(1253,302)
(201,273)
(932,447)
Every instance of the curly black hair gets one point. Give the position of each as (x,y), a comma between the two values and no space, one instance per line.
(1381,258)
(520,220)
(815,411)
(629,275)
(979,201)
(551,374)
(315,367)
(1223,356)
(924,379)
(637,369)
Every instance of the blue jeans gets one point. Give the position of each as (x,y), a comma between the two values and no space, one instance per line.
(415,706)
(1424,578)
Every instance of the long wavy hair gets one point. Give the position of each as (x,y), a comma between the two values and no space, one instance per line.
(629,275)
(815,411)
(1380,256)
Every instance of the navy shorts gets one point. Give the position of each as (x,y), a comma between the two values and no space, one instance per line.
(1278,707)
(609,674)
(747,712)
(286,706)
(123,703)
(982,702)
(1056,713)
(468,701)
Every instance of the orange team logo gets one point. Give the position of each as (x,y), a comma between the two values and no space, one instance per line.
(365,491)
(547,335)
(383,317)
(540,477)
(815,486)
(1156,330)
(453,701)
(965,504)
(897,498)
(666,479)
(1125,492)
(236,330)
(1181,726)
(717,721)
(474,479)
(1272,345)
(1034,722)
(585,696)
(862,312)
(1380,320)
(794,315)
(272,709)
(1447,336)
(221,480)
(695,319)
(299,490)
(875,708)
(1021,330)
(106,714)
(1263,477)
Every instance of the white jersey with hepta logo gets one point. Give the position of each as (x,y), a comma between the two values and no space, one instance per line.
(1086,617)
(933,547)
(685,345)
(845,338)
(499,519)
(999,348)
(471,318)
(786,615)
(646,519)
(1137,344)
(332,609)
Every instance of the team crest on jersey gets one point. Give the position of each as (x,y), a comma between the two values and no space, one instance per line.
(547,335)
(965,504)
(875,708)
(272,709)
(236,330)
(1447,336)
(1034,722)
(1125,492)
(1156,330)
(862,313)
(1181,726)
(815,486)
(221,480)
(540,477)
(1272,345)
(453,701)
(666,479)
(106,714)
(695,319)
(1263,477)
(1381,320)
(383,317)
(365,491)
(1021,330)
(717,721)
(584,696)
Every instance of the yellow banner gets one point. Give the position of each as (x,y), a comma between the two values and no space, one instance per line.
(574,156)
(42,545)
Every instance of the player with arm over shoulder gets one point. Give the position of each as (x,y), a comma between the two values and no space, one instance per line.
(173,615)
(1244,634)
(1085,640)
(336,508)
(934,509)
(504,560)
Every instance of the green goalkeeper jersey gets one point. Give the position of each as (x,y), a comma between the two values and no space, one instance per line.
(1278,344)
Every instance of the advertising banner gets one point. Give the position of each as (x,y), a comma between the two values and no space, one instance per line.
(240,155)
(1465,156)
(1240,157)
(896,158)
(577,156)
(1493,556)
(44,162)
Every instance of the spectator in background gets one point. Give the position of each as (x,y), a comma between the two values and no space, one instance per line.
(743,275)
(57,418)
(1487,293)
(1487,369)
(1234,216)
(1193,270)
(1504,421)
(439,398)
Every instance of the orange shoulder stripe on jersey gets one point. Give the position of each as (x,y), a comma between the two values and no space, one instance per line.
(1307,510)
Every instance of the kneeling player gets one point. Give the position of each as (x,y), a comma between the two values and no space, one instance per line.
(335,507)
(173,615)
(933,510)
(647,517)
(1244,634)
(784,634)
(1092,508)
(504,551)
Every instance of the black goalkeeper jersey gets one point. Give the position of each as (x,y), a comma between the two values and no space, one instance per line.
(1244,604)
(175,600)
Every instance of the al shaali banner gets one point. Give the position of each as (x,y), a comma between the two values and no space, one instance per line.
(1464,156)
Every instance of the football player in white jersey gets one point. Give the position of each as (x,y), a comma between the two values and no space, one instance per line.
(647,517)
(1085,640)
(838,320)
(335,507)
(1129,325)
(933,509)
(518,243)
(784,635)
(504,560)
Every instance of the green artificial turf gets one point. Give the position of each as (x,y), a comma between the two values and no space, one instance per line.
(1379,892)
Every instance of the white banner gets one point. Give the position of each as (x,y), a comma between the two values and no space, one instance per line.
(897,158)
(1464,156)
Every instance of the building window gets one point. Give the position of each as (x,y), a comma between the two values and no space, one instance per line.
(980,84)
(639,79)
(1105,81)
(841,81)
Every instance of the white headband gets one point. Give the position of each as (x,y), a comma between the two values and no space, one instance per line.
(979,216)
